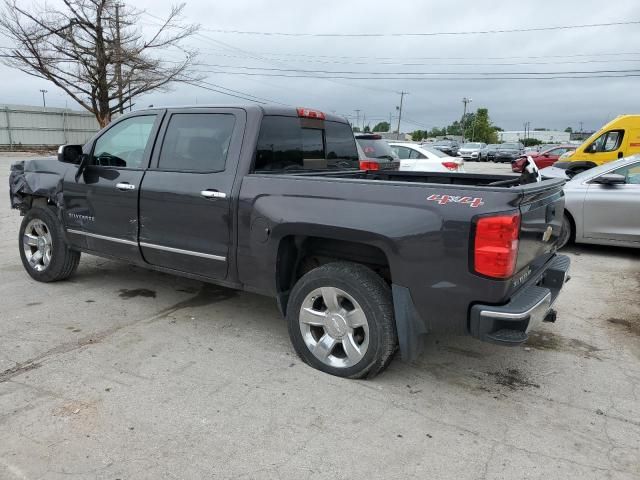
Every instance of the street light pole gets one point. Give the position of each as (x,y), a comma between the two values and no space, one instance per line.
(44,102)
(402,94)
(465,101)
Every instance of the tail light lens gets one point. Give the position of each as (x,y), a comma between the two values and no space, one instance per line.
(369,165)
(453,166)
(308,113)
(495,249)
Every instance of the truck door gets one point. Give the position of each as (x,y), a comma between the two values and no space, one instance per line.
(185,204)
(102,205)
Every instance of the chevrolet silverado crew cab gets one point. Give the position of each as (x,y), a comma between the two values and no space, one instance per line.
(272,200)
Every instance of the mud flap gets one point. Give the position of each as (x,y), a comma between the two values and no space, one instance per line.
(409,325)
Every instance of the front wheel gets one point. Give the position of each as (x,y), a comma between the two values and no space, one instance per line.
(43,250)
(340,319)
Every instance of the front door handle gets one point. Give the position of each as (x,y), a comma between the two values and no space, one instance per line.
(213,194)
(125,186)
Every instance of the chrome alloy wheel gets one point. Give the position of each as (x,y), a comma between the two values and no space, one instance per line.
(334,327)
(37,245)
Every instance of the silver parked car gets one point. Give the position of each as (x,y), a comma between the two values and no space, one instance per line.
(603,205)
(471,150)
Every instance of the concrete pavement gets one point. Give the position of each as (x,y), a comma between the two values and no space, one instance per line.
(123,373)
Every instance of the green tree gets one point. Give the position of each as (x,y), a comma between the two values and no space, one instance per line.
(482,130)
(418,135)
(367,129)
(382,127)
(568,130)
(531,142)
(356,129)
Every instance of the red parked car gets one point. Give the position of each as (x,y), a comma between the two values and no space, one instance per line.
(542,159)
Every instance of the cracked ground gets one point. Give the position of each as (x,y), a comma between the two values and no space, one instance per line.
(122,373)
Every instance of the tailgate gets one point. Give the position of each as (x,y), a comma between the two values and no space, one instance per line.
(541,209)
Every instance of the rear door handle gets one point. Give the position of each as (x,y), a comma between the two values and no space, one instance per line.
(124,186)
(213,194)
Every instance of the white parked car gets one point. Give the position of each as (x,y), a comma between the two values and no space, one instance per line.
(422,158)
(471,150)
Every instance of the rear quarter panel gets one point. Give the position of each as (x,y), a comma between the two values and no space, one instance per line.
(426,243)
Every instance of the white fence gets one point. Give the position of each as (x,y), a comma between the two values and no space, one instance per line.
(24,127)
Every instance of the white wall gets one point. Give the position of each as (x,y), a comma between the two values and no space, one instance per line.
(23,126)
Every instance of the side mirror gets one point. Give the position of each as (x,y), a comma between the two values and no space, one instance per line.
(591,148)
(545,155)
(70,154)
(611,179)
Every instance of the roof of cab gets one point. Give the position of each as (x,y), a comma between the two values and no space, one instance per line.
(267,109)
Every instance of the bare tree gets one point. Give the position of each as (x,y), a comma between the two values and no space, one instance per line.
(96,52)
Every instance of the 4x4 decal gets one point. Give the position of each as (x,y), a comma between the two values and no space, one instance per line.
(473,202)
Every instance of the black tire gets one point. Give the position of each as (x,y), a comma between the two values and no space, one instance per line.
(64,261)
(566,235)
(372,295)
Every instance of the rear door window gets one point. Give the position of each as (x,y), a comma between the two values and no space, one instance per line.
(292,143)
(197,142)
(416,155)
(403,152)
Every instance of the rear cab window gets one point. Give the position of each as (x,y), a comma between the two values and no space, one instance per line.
(290,144)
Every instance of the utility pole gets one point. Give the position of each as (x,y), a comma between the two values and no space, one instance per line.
(402,94)
(465,101)
(357,118)
(363,120)
(118,53)
(580,127)
(390,118)
(44,102)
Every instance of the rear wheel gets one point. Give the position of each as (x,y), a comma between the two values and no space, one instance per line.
(340,319)
(43,250)
(567,232)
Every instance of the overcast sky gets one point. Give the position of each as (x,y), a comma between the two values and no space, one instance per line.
(552,104)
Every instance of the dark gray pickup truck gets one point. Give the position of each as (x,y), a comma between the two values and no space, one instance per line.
(272,200)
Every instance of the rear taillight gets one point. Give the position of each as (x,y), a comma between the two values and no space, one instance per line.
(369,165)
(453,166)
(495,248)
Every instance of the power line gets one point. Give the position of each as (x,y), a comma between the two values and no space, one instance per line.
(421,64)
(352,72)
(455,76)
(425,34)
(448,57)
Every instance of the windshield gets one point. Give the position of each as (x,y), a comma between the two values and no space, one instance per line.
(442,143)
(472,145)
(377,149)
(509,146)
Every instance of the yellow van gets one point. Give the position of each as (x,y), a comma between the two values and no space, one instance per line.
(617,139)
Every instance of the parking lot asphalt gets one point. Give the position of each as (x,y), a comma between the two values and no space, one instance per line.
(123,373)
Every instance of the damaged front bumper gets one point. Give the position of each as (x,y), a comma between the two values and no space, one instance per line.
(38,178)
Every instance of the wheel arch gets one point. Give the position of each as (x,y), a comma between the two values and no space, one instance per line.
(298,254)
